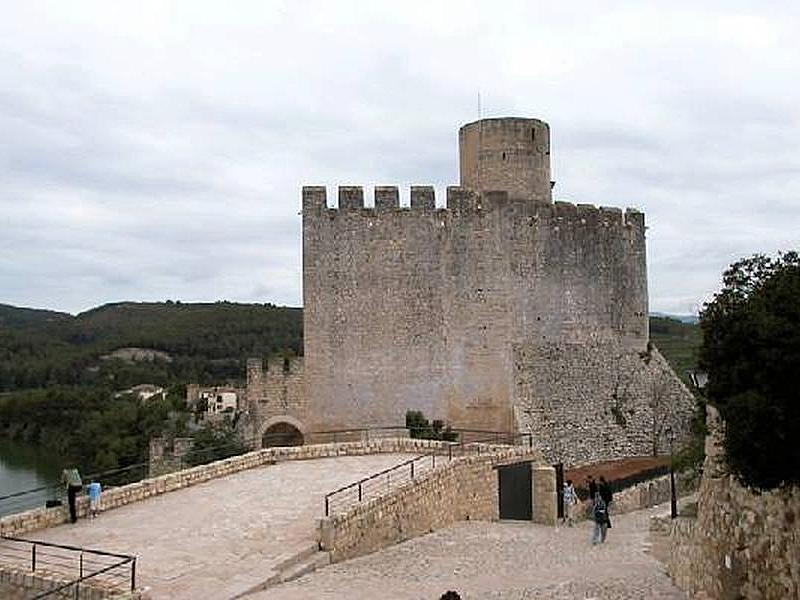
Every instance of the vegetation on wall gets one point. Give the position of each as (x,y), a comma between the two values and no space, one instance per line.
(419,427)
(751,350)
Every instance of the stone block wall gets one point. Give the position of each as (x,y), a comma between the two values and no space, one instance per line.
(742,543)
(22,584)
(466,489)
(598,401)
(274,393)
(423,308)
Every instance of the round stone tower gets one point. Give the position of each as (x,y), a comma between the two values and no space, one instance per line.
(508,154)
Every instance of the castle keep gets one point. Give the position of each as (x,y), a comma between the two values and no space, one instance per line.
(500,310)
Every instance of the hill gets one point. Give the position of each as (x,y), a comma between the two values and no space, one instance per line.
(678,341)
(13,316)
(205,342)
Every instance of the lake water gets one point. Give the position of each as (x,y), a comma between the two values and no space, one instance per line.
(26,467)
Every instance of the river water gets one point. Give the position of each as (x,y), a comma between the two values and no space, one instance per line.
(26,467)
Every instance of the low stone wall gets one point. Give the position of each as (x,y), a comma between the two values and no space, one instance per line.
(742,544)
(643,495)
(40,518)
(20,584)
(465,489)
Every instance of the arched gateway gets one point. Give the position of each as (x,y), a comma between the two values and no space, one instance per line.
(282,431)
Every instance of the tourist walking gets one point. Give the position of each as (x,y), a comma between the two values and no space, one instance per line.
(73,484)
(600,515)
(591,486)
(570,501)
(94,489)
(608,497)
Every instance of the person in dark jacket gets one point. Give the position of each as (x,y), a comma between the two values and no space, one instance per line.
(71,480)
(604,489)
(600,517)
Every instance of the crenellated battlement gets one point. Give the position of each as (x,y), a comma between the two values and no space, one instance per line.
(461,201)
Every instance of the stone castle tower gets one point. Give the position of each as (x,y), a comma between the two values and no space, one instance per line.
(499,311)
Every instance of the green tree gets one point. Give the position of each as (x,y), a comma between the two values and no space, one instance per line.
(751,350)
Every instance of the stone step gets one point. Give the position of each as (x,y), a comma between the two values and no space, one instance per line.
(311,564)
(287,566)
(297,555)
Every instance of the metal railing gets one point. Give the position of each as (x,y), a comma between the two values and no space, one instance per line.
(69,568)
(379,483)
(137,469)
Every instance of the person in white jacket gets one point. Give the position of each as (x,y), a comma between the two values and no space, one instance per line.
(570,502)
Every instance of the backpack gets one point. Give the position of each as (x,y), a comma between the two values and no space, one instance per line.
(600,515)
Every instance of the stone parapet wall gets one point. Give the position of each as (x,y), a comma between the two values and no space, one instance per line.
(465,489)
(643,495)
(41,518)
(21,584)
(742,543)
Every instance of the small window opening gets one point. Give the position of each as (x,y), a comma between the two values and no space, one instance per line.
(533,135)
(504,155)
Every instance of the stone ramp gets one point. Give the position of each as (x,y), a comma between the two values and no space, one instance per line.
(228,536)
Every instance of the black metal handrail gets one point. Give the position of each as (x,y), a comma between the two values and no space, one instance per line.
(34,497)
(357,491)
(110,570)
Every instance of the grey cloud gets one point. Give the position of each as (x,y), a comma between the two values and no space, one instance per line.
(146,159)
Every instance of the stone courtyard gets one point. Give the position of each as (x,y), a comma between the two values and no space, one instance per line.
(501,560)
(221,538)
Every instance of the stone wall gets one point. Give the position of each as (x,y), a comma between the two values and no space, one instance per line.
(500,311)
(465,489)
(599,401)
(506,154)
(275,394)
(168,454)
(22,584)
(40,518)
(741,544)
(422,308)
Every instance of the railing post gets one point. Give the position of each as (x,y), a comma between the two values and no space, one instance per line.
(81,565)
(412,469)
(334,437)
(33,558)
(450,452)
(530,440)
(327,511)
(133,574)
(359,491)
(433,457)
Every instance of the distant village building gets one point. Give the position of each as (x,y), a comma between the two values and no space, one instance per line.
(218,400)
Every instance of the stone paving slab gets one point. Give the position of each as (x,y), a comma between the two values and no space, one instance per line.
(218,538)
(499,561)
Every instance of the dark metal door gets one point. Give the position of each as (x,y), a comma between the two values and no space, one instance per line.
(516,493)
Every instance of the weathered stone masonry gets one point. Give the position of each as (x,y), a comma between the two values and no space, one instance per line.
(501,311)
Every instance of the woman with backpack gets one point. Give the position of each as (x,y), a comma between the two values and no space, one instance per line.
(600,515)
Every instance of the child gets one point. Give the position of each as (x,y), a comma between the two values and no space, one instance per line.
(95,490)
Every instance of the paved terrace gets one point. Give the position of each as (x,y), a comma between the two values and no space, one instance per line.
(220,538)
(500,561)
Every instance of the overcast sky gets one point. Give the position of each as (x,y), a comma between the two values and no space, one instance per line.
(153,151)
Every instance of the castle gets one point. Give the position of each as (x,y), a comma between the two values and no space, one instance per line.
(499,311)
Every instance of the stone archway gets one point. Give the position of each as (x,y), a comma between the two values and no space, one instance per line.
(282,431)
